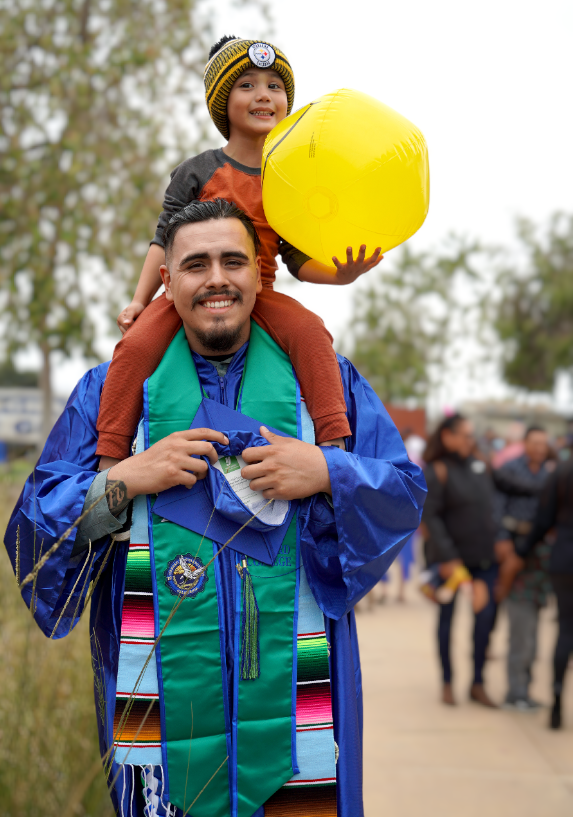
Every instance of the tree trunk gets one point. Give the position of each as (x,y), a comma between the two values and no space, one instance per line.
(45,384)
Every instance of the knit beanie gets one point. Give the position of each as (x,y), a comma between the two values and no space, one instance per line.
(228,62)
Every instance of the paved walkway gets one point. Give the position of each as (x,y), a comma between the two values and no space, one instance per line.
(425,759)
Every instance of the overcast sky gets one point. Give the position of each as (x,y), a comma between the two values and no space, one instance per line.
(489,84)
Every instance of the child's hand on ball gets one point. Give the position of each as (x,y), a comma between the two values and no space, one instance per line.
(351,270)
(127,316)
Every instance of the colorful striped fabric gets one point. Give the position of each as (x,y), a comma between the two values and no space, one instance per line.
(312,791)
(136,692)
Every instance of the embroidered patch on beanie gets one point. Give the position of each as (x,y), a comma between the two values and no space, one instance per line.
(262,55)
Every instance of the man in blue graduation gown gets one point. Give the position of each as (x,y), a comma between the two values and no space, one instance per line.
(356,504)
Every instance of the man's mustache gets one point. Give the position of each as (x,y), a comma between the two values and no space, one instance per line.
(208,296)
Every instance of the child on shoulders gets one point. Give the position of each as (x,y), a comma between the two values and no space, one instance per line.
(249,88)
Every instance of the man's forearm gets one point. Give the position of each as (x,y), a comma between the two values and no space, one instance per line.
(101,521)
(117,498)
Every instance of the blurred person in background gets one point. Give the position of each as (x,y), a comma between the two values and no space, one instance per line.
(489,443)
(458,529)
(415,447)
(564,447)
(529,591)
(555,510)
(513,445)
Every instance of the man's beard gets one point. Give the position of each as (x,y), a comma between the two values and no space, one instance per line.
(220,338)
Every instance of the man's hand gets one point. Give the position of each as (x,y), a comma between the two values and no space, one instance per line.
(171,461)
(286,469)
(128,316)
(348,272)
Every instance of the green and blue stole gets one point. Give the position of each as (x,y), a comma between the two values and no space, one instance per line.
(196,739)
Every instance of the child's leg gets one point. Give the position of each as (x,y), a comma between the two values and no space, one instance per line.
(304,337)
(135,358)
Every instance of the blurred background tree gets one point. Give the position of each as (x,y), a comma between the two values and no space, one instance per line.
(403,318)
(98,100)
(86,129)
(533,314)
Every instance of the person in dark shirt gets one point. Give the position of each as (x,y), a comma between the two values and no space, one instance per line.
(555,510)
(458,529)
(514,515)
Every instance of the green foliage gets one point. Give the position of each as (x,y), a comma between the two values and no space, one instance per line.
(9,376)
(534,315)
(85,94)
(402,319)
(80,99)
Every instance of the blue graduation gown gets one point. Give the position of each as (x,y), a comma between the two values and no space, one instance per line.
(377,498)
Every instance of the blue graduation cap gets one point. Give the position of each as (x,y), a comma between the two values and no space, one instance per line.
(224,489)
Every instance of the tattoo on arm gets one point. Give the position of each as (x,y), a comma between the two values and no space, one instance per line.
(117,498)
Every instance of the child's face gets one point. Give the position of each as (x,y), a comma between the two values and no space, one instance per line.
(256,103)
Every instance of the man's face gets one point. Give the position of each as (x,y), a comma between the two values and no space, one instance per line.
(213,279)
(256,103)
(536,447)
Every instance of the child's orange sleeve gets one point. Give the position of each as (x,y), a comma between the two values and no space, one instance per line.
(135,358)
(306,340)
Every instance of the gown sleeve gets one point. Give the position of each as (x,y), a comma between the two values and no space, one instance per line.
(51,501)
(377,500)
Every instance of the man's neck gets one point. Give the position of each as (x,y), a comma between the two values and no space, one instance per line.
(246,150)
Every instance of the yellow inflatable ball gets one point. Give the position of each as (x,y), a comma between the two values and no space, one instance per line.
(343,171)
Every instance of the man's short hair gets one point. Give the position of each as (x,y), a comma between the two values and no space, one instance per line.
(533,430)
(211,210)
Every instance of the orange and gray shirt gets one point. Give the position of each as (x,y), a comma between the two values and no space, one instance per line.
(212,175)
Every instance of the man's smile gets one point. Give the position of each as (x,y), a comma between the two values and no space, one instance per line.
(220,304)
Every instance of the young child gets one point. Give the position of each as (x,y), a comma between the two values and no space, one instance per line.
(249,87)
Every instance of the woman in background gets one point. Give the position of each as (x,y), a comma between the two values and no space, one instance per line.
(458,530)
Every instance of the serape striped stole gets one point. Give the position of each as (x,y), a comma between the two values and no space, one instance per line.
(137,685)
(310,792)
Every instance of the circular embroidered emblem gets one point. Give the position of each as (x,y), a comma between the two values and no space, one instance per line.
(262,55)
(186,576)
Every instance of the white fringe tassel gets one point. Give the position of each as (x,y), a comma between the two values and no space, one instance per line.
(153,793)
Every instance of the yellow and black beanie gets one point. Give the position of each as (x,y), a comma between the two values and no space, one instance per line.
(229,58)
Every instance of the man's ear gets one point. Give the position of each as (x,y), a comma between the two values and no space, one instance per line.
(259,278)
(166,278)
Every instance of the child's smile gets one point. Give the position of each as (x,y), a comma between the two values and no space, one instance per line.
(263,112)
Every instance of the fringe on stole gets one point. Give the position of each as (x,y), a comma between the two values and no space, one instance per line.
(152,790)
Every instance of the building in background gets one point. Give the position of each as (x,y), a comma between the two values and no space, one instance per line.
(408,421)
(503,416)
(21,419)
